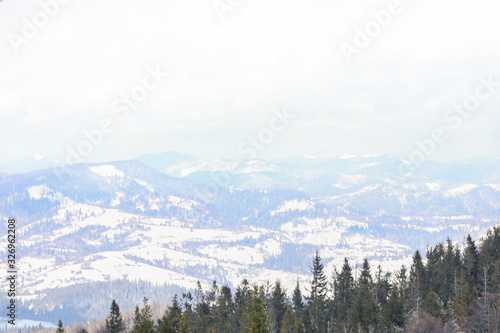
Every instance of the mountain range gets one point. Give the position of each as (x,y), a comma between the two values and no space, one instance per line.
(162,222)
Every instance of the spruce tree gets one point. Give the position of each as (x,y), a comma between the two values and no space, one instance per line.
(240,300)
(471,264)
(224,310)
(449,271)
(60,327)
(434,280)
(290,322)
(402,284)
(277,306)
(297,301)
(394,312)
(317,300)
(433,306)
(463,300)
(143,319)
(115,323)
(184,324)
(171,320)
(343,293)
(201,318)
(418,281)
(364,311)
(254,316)
(382,286)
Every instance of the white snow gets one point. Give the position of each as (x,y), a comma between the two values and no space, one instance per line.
(496,187)
(293,205)
(459,190)
(182,203)
(433,186)
(107,171)
(39,191)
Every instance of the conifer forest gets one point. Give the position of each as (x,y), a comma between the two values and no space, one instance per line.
(451,288)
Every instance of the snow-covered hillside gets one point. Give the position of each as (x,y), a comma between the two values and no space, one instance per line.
(98,223)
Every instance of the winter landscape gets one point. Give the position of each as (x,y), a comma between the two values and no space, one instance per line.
(249,166)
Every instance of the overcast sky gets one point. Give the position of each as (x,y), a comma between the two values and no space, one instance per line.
(231,68)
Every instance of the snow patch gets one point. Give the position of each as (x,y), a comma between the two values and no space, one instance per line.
(433,186)
(293,205)
(39,191)
(459,190)
(107,171)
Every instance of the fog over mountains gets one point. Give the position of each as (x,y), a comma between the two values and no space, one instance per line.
(169,220)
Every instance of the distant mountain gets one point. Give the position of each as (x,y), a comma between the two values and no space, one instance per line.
(86,227)
(27,164)
(170,163)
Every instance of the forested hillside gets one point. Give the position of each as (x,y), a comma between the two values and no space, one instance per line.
(457,289)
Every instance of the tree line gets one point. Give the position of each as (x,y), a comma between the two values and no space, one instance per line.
(456,289)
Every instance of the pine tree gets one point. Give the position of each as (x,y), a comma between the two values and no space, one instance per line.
(224,310)
(471,263)
(317,300)
(434,280)
(418,281)
(290,322)
(277,306)
(489,255)
(60,328)
(343,293)
(254,317)
(364,310)
(404,291)
(449,270)
(382,286)
(171,320)
(433,306)
(297,301)
(240,300)
(394,312)
(463,299)
(184,324)
(115,323)
(201,318)
(143,319)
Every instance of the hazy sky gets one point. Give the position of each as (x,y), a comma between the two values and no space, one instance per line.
(232,63)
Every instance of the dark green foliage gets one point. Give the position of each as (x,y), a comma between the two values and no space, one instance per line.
(297,301)
(382,286)
(277,306)
(291,323)
(254,316)
(364,311)
(60,328)
(343,286)
(143,319)
(433,306)
(224,310)
(402,285)
(418,281)
(317,302)
(454,290)
(394,312)
(115,323)
(171,320)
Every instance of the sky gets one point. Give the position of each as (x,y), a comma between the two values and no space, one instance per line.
(110,80)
